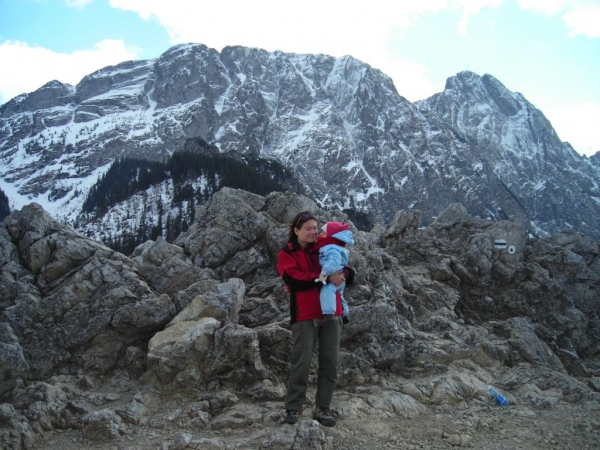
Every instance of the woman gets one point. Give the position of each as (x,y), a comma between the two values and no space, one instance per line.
(298,265)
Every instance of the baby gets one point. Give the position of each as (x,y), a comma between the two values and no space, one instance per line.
(333,257)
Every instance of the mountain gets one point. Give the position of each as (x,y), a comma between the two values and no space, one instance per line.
(512,141)
(338,125)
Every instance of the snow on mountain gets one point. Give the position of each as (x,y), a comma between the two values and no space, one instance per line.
(338,124)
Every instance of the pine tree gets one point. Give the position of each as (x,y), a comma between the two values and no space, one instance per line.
(128,176)
(4,205)
(158,229)
(192,209)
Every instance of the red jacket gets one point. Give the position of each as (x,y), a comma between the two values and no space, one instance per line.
(299,267)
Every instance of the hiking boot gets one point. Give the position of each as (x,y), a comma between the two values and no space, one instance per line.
(324,416)
(326,320)
(291,417)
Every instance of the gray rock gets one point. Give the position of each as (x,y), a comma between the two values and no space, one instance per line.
(180,350)
(222,302)
(166,267)
(181,441)
(134,412)
(15,430)
(238,416)
(12,362)
(453,215)
(226,225)
(208,444)
(103,425)
(402,223)
(84,302)
(436,315)
(236,361)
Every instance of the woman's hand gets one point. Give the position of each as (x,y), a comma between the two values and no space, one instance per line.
(337,278)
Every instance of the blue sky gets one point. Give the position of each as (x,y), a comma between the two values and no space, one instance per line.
(548,50)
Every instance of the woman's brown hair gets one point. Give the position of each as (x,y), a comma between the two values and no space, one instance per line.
(297,222)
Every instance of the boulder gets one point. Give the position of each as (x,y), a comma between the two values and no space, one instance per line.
(222,302)
(180,352)
(166,268)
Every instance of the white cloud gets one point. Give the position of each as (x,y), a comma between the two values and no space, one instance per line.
(32,67)
(80,4)
(580,16)
(332,27)
(546,7)
(271,21)
(583,21)
(471,8)
(578,125)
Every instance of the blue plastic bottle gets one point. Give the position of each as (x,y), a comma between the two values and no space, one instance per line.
(498,397)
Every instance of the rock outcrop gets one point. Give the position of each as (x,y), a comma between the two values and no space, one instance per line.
(94,340)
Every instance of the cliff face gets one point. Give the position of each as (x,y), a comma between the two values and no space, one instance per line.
(437,314)
(337,124)
(513,140)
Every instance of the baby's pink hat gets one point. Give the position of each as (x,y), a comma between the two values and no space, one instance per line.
(331,228)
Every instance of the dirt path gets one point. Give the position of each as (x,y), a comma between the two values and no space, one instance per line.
(567,426)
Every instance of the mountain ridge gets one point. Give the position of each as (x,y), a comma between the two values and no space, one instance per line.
(339,125)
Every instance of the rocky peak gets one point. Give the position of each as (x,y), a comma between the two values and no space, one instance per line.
(52,94)
(468,86)
(515,142)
